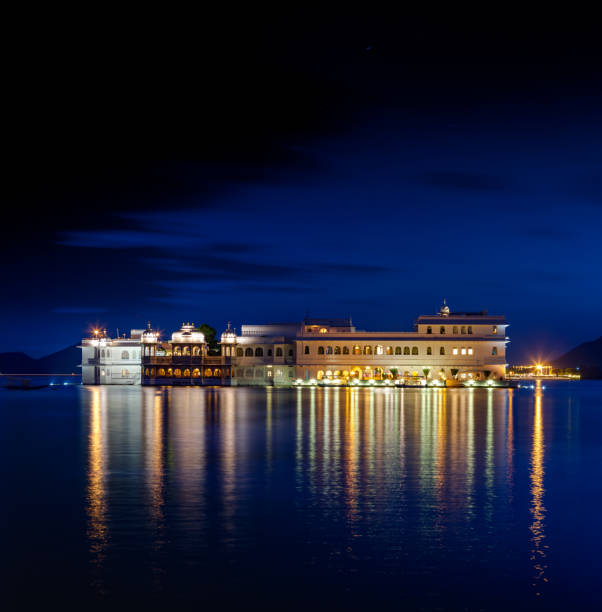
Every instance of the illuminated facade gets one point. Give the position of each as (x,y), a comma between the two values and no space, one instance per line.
(444,348)
(111,361)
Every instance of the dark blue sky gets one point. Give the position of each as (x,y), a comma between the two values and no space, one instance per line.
(371,169)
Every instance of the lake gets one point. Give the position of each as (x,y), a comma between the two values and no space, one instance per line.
(476,499)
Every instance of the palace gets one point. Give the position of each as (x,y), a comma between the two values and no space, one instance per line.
(444,348)
(111,361)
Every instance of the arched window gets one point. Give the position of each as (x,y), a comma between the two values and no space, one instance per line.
(186,372)
(367,350)
(337,350)
(442,329)
(320,374)
(357,350)
(379,350)
(125,355)
(470,329)
(279,352)
(414,350)
(455,330)
(196,373)
(161,372)
(429,350)
(186,351)
(345,350)
(463,330)
(208,372)
(320,350)
(248,352)
(239,352)
(169,372)
(258,352)
(406,350)
(177,372)
(429,330)
(306,351)
(389,350)
(177,351)
(442,351)
(196,351)
(494,350)
(329,350)
(102,353)
(147,372)
(217,372)
(494,329)
(152,372)
(398,350)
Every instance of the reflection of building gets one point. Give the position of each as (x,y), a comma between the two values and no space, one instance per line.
(447,346)
(111,361)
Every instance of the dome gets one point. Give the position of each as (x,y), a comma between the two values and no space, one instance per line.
(188,334)
(149,335)
(444,312)
(229,336)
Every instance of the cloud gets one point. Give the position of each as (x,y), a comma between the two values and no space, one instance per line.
(463,181)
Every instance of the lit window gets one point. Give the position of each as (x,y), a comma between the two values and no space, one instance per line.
(337,350)
(357,350)
(367,350)
(102,372)
(269,373)
(125,374)
(454,351)
(379,350)
(463,351)
(494,329)
(323,330)
(389,350)
(329,350)
(469,351)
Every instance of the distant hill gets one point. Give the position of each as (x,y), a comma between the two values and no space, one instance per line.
(61,362)
(587,357)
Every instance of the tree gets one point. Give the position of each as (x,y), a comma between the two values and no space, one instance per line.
(487,373)
(394,372)
(454,372)
(426,372)
(209,334)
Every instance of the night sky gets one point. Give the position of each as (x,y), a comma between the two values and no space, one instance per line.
(205,171)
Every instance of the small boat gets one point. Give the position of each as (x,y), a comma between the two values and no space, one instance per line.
(23,384)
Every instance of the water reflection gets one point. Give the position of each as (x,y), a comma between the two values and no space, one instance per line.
(413,471)
(96,490)
(538,510)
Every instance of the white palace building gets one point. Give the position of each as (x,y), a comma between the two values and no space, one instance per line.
(447,348)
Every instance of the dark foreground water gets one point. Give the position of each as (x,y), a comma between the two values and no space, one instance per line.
(331,498)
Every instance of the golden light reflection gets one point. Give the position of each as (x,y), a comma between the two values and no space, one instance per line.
(96,494)
(538,510)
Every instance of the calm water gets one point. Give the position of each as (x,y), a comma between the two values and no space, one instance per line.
(428,499)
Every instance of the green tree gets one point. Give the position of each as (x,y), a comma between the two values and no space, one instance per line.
(426,372)
(209,334)
(454,372)
(394,372)
(487,373)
